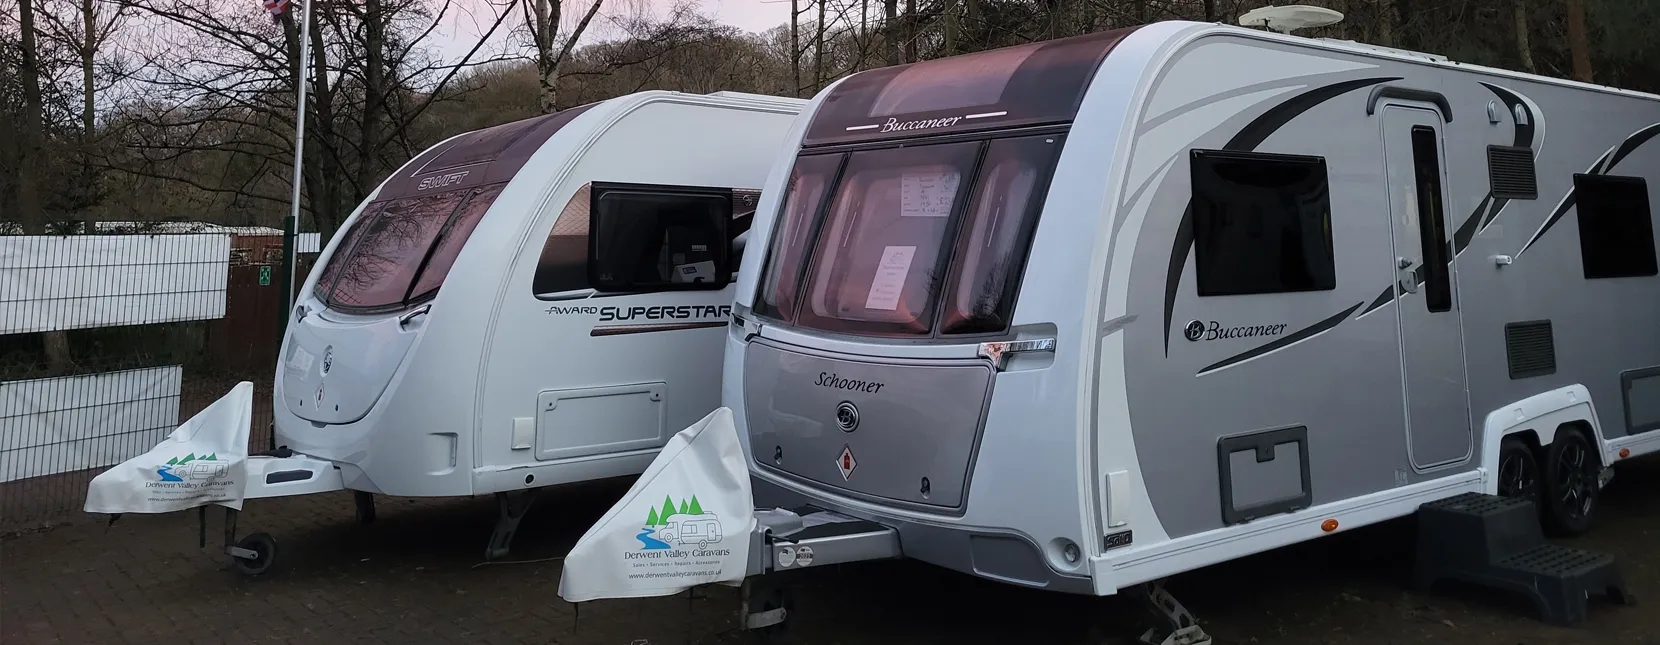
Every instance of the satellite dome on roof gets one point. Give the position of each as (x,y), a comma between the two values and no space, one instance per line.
(1290,18)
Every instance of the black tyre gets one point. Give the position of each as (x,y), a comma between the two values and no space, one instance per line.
(1519,475)
(1571,490)
(265,553)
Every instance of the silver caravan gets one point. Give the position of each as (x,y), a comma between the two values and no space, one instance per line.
(1082,314)
(532,304)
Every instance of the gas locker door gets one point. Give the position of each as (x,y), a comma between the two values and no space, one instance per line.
(1426,306)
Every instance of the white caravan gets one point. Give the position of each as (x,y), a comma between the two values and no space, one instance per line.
(1080,315)
(528,305)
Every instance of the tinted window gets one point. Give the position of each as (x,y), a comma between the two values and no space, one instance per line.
(1261,223)
(349,237)
(1432,227)
(790,236)
(564,262)
(877,262)
(991,249)
(659,239)
(452,238)
(1616,229)
(382,264)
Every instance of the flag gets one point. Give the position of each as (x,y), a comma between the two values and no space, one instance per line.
(276,7)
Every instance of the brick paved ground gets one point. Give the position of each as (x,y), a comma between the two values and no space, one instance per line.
(414,577)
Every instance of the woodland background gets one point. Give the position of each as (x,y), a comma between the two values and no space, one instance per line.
(156,110)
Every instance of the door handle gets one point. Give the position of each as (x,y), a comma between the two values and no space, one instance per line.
(1405,276)
(404,320)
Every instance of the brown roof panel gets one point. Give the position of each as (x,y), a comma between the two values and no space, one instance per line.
(1023,85)
(480,157)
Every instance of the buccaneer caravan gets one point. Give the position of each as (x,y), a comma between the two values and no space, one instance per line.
(528,305)
(1083,314)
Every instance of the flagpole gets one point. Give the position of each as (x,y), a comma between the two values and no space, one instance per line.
(299,151)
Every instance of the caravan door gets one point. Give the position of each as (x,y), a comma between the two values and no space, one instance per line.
(1432,346)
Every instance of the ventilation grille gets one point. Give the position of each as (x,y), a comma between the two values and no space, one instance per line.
(1530,348)
(1511,170)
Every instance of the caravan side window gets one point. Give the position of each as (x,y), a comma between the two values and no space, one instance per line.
(1261,223)
(1616,227)
(564,262)
(647,238)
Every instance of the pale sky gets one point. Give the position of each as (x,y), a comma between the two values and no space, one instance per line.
(469,18)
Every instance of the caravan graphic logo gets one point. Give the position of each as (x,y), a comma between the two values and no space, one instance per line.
(685,525)
(192,467)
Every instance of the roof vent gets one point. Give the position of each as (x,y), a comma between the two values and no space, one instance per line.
(1290,18)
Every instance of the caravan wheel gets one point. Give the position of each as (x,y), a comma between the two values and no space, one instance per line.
(1571,486)
(1519,472)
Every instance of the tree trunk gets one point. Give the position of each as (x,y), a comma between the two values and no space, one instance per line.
(547,67)
(374,91)
(910,31)
(1523,49)
(1210,10)
(89,48)
(1579,42)
(324,183)
(28,200)
(795,47)
(890,30)
(818,49)
(950,28)
(1386,22)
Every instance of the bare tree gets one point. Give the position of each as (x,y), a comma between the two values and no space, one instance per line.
(545,31)
(1523,49)
(1579,41)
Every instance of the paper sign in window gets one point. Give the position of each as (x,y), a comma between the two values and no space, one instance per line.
(889,283)
(927,195)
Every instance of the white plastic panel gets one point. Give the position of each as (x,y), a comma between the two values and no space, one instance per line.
(601,420)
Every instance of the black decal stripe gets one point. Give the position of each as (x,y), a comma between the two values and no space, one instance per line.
(1493,213)
(1637,140)
(1524,132)
(1248,138)
(617,330)
(1561,210)
(1173,278)
(1258,130)
(1382,299)
(1300,336)
(1467,230)
(1603,166)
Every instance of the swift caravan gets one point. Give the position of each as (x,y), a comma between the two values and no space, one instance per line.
(1083,314)
(537,303)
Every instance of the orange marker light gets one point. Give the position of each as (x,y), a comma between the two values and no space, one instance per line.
(1328,526)
(1625,452)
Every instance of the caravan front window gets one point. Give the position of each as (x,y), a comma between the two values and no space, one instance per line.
(877,260)
(399,251)
(991,249)
(888,255)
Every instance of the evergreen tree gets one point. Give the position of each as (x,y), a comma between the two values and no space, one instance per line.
(668,509)
(696,510)
(651,518)
(684,509)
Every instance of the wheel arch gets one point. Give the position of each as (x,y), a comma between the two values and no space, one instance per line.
(1539,419)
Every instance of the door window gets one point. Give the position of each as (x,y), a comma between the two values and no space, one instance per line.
(1432,227)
